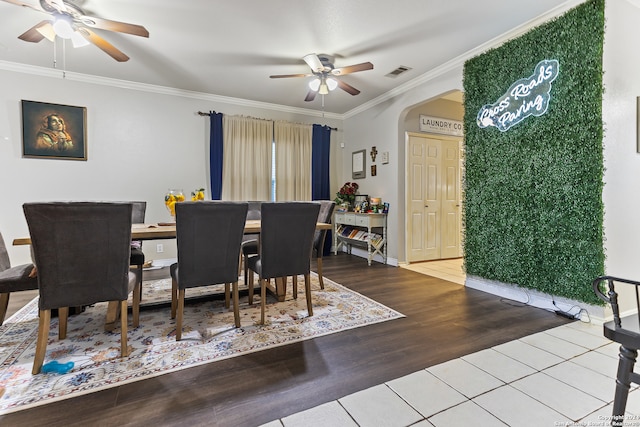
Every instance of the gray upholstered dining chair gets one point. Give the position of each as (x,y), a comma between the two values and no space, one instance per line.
(286,235)
(209,235)
(81,251)
(625,330)
(250,244)
(13,279)
(137,258)
(326,212)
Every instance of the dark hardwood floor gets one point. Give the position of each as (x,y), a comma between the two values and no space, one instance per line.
(443,321)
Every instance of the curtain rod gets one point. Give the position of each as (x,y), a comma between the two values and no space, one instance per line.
(201,113)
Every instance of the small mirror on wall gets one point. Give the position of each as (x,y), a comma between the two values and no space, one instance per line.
(358,164)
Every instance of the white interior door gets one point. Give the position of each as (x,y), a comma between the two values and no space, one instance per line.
(433,198)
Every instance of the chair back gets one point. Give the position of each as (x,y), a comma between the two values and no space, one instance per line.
(138,212)
(253,211)
(81,250)
(5,263)
(325,214)
(209,235)
(286,236)
(624,330)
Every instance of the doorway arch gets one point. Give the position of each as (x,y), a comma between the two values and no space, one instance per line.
(448,105)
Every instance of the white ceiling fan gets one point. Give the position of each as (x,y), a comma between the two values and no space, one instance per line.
(69,21)
(326,75)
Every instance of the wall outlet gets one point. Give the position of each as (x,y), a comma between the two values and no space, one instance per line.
(159,248)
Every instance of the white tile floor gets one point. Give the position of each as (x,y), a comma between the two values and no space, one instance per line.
(448,269)
(561,377)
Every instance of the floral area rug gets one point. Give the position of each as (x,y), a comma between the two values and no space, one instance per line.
(208,335)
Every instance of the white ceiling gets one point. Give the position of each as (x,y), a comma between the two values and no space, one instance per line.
(229,48)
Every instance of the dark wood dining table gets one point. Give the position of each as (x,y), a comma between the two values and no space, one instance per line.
(162,230)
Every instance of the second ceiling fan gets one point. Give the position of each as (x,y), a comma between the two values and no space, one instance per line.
(324,71)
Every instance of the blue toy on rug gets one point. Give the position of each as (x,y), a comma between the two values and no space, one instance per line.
(56,367)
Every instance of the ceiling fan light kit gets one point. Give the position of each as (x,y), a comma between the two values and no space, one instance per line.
(324,73)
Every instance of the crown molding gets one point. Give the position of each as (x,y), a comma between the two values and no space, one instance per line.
(163,90)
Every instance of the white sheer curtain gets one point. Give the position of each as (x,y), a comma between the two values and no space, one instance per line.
(293,161)
(246,169)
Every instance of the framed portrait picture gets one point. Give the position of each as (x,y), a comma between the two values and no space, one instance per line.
(54,131)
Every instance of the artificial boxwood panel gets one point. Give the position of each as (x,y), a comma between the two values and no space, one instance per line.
(533,211)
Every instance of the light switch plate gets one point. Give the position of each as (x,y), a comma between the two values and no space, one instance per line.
(385,157)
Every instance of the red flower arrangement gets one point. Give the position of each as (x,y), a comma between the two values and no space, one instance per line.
(347,193)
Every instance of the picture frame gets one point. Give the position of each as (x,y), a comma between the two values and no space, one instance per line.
(53,131)
(358,164)
(361,198)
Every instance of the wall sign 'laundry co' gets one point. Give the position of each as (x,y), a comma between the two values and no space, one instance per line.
(526,97)
(440,125)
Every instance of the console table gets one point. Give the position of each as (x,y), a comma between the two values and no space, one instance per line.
(361,229)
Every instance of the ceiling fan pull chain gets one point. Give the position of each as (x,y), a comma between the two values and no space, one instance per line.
(55,53)
(64,59)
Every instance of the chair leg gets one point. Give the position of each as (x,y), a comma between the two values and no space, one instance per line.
(174,298)
(179,315)
(227,295)
(263,298)
(294,280)
(307,290)
(140,280)
(63,316)
(319,269)
(250,287)
(135,307)
(627,360)
(248,277)
(124,351)
(41,344)
(4,304)
(236,309)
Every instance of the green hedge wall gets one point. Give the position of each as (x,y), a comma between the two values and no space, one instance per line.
(533,210)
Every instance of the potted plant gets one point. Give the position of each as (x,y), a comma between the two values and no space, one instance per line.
(347,195)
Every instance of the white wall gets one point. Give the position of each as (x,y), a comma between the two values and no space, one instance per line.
(140,144)
(622,162)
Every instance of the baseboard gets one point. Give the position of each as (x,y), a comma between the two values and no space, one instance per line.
(577,309)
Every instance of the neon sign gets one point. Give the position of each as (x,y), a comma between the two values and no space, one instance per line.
(526,97)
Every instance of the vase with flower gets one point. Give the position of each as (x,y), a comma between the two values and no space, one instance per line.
(346,197)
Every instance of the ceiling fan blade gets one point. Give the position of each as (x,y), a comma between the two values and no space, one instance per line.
(311,95)
(314,62)
(109,25)
(347,87)
(38,32)
(53,6)
(352,69)
(21,3)
(283,76)
(107,47)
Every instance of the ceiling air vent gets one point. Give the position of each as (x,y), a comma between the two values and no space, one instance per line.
(395,73)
